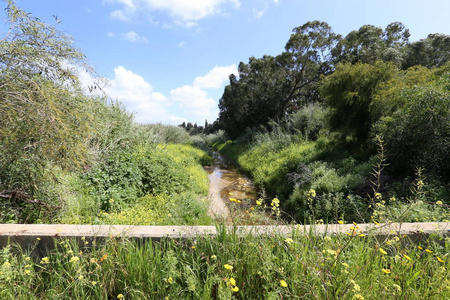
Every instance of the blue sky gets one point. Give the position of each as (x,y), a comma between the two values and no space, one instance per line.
(169,60)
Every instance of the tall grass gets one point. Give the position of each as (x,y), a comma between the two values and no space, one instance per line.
(233,266)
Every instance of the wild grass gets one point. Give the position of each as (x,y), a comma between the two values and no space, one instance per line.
(233,266)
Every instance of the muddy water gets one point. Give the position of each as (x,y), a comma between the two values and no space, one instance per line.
(227,182)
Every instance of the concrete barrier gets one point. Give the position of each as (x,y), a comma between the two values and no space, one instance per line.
(41,237)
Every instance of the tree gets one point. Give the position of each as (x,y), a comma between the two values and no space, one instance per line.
(370,44)
(349,91)
(269,88)
(432,52)
(417,135)
(45,118)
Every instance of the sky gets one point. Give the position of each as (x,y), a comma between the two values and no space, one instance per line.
(168,61)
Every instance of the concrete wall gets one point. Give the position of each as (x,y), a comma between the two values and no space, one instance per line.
(42,237)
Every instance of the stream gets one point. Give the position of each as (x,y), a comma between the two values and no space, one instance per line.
(225,182)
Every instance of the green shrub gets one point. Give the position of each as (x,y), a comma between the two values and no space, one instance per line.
(417,134)
(168,134)
(310,120)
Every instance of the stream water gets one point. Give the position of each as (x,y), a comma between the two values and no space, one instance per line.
(225,182)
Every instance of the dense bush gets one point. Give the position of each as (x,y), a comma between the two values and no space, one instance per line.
(123,182)
(310,120)
(418,134)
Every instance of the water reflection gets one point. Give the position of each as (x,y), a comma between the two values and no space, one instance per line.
(231,182)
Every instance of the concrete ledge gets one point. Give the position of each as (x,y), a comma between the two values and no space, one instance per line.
(28,236)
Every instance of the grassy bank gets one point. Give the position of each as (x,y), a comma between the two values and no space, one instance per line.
(227,266)
(326,181)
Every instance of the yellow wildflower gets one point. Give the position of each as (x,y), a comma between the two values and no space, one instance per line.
(407,257)
(214,257)
(289,241)
(120,296)
(382,251)
(275,202)
(386,271)
(359,297)
(45,260)
(283,283)
(340,222)
(74,259)
(235,289)
(331,252)
(228,267)
(170,280)
(232,281)
(428,250)
(259,202)
(440,259)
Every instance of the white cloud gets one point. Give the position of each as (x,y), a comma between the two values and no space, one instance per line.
(194,102)
(181,44)
(138,96)
(133,37)
(215,78)
(258,13)
(183,12)
(120,15)
(188,103)
(111,34)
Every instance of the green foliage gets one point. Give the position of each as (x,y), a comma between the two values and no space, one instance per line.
(167,134)
(388,96)
(416,135)
(229,265)
(133,173)
(287,168)
(431,52)
(311,120)
(369,44)
(46,120)
(268,88)
(349,91)
(176,209)
(206,141)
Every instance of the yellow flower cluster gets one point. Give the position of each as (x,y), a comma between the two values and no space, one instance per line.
(232,283)
(235,200)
